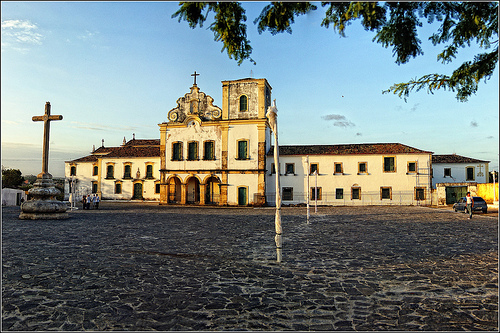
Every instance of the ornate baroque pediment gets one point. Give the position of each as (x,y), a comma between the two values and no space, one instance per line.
(194,103)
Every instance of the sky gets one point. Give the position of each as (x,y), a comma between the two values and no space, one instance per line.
(112,69)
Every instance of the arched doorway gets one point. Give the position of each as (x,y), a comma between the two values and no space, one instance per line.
(174,190)
(137,191)
(212,191)
(193,191)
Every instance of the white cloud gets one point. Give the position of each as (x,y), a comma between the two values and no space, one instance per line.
(18,32)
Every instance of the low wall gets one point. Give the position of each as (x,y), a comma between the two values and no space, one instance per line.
(485,191)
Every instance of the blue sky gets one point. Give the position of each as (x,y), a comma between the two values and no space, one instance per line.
(116,68)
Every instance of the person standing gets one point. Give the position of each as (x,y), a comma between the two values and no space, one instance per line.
(94,201)
(97,201)
(89,201)
(84,201)
(470,204)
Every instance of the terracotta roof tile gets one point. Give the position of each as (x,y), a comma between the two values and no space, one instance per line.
(454,158)
(349,149)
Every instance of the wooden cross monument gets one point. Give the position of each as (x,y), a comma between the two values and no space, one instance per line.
(46,118)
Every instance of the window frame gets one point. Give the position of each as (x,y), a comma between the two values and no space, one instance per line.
(313,193)
(358,189)
(72,170)
(150,175)
(179,156)
(393,164)
(444,172)
(287,196)
(467,173)
(108,173)
(335,172)
(359,168)
(118,184)
(417,189)
(95,170)
(311,167)
(337,192)
(212,150)
(191,157)
(238,151)
(408,171)
(129,165)
(240,100)
(292,169)
(383,189)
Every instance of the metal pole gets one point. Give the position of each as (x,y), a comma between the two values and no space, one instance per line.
(316,193)
(307,190)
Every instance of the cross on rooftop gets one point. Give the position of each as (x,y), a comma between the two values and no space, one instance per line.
(46,118)
(195,75)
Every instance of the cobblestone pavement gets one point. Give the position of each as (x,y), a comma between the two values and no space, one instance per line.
(131,266)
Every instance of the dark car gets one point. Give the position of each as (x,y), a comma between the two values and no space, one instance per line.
(479,204)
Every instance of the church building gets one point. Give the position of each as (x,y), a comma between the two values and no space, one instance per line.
(211,155)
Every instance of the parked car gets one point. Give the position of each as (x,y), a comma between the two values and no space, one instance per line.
(479,204)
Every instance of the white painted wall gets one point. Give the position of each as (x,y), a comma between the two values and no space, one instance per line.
(459,173)
(402,183)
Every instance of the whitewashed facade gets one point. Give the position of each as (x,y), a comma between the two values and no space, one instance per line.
(207,155)
(358,174)
(454,168)
(130,171)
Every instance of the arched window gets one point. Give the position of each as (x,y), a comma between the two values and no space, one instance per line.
(72,171)
(243,103)
(127,173)
(110,171)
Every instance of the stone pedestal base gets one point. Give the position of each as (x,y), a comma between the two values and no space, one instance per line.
(43,206)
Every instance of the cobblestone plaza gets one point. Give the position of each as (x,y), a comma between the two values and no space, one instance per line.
(140,266)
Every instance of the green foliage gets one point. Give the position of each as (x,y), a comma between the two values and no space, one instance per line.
(395,25)
(278,16)
(11,178)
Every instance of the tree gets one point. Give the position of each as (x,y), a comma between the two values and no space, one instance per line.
(11,178)
(395,25)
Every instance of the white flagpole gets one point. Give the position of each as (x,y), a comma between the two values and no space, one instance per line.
(272,117)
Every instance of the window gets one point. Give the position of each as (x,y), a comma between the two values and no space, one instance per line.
(314,168)
(242,150)
(118,188)
(339,193)
(72,171)
(290,168)
(157,188)
(337,168)
(94,187)
(419,193)
(287,193)
(389,165)
(412,167)
(192,151)
(243,103)
(386,193)
(447,172)
(470,173)
(209,150)
(177,151)
(95,171)
(110,171)
(355,193)
(362,167)
(127,171)
(314,191)
(149,171)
